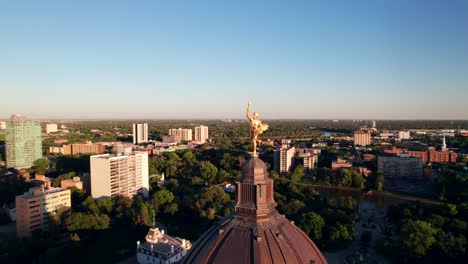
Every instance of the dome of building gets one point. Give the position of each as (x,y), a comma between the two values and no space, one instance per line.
(254,170)
(255,232)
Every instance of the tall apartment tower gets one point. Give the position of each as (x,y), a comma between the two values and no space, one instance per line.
(140,133)
(444,145)
(183,133)
(125,175)
(34,207)
(23,142)
(201,133)
(283,158)
(51,128)
(362,138)
(310,161)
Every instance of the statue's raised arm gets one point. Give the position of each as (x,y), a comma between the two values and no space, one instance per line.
(256,128)
(248,112)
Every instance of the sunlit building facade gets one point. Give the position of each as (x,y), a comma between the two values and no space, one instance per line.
(201,134)
(23,142)
(34,208)
(140,133)
(125,175)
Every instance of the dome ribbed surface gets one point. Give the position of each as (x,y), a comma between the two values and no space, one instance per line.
(254,170)
(235,241)
(255,232)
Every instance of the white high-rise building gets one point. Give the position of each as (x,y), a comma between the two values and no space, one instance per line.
(310,161)
(201,133)
(444,145)
(125,175)
(283,158)
(140,133)
(184,134)
(2,125)
(51,128)
(404,135)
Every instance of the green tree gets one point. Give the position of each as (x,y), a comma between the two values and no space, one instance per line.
(313,224)
(83,221)
(208,171)
(105,205)
(379,181)
(173,164)
(141,213)
(452,245)
(164,199)
(297,174)
(222,175)
(451,209)
(41,165)
(90,205)
(293,207)
(157,165)
(154,182)
(347,202)
(341,232)
(344,177)
(171,209)
(123,209)
(144,214)
(227,161)
(189,157)
(66,164)
(213,203)
(437,220)
(358,181)
(10,187)
(418,237)
(62,177)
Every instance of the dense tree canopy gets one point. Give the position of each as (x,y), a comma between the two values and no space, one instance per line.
(41,165)
(213,203)
(81,221)
(418,237)
(313,224)
(208,171)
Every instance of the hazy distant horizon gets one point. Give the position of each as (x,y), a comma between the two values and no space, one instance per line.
(297,59)
(227,118)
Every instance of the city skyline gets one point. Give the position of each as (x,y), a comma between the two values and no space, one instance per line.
(206,60)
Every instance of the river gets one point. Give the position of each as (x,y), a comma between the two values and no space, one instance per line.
(379,199)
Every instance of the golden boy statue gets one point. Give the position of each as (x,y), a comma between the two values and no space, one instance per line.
(256,128)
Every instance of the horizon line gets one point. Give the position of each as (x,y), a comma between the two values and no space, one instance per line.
(235,119)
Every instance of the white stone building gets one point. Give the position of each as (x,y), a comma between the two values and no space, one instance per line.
(160,248)
(119,175)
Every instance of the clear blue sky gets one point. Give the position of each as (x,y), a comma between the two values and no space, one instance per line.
(374,59)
